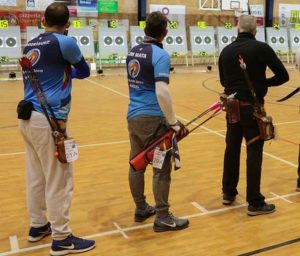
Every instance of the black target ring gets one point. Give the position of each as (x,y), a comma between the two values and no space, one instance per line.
(108,40)
(119,40)
(1,42)
(296,40)
(281,40)
(225,39)
(198,40)
(139,39)
(11,42)
(207,40)
(273,40)
(85,40)
(169,40)
(233,38)
(179,40)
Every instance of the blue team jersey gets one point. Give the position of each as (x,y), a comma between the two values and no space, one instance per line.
(146,64)
(52,55)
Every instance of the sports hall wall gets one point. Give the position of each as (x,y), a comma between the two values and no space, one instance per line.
(128,10)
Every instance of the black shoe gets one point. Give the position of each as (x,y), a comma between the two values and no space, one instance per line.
(259,210)
(143,214)
(169,223)
(36,234)
(228,200)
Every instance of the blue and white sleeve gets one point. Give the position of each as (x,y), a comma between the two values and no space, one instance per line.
(161,65)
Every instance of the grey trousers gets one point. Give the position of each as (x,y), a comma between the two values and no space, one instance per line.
(141,129)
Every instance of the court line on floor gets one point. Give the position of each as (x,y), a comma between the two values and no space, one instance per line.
(144,226)
(272,247)
(203,127)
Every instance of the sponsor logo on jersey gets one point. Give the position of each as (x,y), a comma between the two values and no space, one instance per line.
(134,68)
(34,56)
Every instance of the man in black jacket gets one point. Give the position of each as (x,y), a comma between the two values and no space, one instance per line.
(257,56)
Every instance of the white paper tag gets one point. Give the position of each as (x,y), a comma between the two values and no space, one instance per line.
(71,150)
(158,158)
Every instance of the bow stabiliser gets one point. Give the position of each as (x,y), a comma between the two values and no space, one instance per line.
(142,159)
(289,95)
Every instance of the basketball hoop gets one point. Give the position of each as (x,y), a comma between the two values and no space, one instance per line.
(238,12)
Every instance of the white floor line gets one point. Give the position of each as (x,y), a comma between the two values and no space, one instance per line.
(265,153)
(120,230)
(194,133)
(199,207)
(107,88)
(282,198)
(144,226)
(291,122)
(14,244)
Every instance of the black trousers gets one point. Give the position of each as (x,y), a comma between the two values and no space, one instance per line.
(246,128)
(298,182)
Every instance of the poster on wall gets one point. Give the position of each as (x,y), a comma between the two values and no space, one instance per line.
(8,2)
(173,12)
(257,10)
(41,5)
(108,6)
(22,19)
(289,14)
(87,8)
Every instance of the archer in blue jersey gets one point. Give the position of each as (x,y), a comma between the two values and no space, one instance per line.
(56,59)
(150,114)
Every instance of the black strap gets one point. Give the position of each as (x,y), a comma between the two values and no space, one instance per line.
(39,92)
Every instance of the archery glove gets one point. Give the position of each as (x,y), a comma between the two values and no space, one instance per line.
(180,129)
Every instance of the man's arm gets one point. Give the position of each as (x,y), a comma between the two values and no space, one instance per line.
(221,74)
(81,69)
(280,73)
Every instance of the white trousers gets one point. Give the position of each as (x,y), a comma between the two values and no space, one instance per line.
(49,182)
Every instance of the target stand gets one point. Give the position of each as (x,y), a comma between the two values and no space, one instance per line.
(260,34)
(10,47)
(136,35)
(113,46)
(294,37)
(225,36)
(203,43)
(278,40)
(85,40)
(175,44)
(33,32)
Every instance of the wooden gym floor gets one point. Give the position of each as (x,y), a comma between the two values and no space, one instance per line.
(102,207)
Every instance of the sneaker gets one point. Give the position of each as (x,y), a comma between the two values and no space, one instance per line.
(258,210)
(36,234)
(71,244)
(141,215)
(169,223)
(228,200)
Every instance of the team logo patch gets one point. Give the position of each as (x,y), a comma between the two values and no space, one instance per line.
(34,56)
(134,68)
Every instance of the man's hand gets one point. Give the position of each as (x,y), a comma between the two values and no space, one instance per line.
(180,129)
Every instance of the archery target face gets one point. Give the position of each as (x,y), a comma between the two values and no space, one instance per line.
(138,39)
(74,38)
(207,39)
(169,40)
(179,40)
(84,41)
(225,39)
(296,40)
(108,40)
(197,39)
(281,40)
(233,38)
(11,42)
(119,40)
(1,42)
(273,40)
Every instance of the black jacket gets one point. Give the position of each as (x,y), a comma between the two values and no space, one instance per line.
(257,56)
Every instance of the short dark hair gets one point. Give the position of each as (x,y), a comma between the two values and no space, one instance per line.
(57,14)
(156,25)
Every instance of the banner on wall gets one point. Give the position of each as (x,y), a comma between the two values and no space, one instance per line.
(8,2)
(173,12)
(289,14)
(108,6)
(41,5)
(87,8)
(257,10)
(22,19)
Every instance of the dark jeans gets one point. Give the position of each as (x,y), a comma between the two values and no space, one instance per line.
(141,129)
(298,182)
(247,127)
